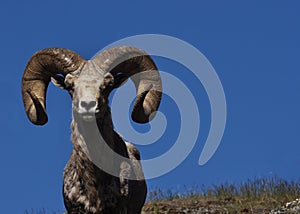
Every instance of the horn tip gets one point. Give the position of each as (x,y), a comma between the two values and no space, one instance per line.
(37,118)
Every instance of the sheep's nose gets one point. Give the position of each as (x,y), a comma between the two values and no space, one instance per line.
(88,105)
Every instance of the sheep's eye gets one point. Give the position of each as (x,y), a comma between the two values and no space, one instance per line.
(104,88)
(69,81)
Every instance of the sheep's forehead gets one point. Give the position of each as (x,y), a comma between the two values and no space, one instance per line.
(90,74)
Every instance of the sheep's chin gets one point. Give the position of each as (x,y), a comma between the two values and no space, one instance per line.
(88,118)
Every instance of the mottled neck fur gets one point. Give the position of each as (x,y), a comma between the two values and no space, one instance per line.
(85,183)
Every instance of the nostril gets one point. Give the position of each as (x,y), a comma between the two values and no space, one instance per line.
(83,104)
(92,104)
(88,104)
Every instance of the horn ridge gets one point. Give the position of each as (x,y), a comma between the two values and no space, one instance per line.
(140,67)
(37,75)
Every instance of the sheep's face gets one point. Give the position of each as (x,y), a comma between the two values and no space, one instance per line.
(90,81)
(89,89)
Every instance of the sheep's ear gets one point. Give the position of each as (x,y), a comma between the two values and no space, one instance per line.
(108,80)
(108,84)
(58,81)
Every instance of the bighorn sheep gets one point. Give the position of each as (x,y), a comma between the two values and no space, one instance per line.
(87,188)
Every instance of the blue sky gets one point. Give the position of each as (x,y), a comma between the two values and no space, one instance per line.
(253,45)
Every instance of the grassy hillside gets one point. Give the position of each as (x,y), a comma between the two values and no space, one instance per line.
(252,196)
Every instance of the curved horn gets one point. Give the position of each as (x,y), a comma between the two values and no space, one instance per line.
(124,62)
(37,75)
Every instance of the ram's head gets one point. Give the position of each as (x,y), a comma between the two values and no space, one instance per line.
(89,82)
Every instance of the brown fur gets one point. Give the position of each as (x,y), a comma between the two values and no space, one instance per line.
(88,189)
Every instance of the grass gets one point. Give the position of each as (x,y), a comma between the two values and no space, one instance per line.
(253,196)
(260,195)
